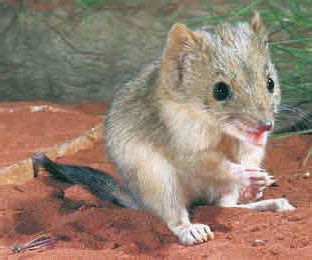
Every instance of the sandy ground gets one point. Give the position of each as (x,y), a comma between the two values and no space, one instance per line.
(25,126)
(91,229)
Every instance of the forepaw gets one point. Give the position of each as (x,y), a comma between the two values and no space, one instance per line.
(261,177)
(250,193)
(190,234)
(253,180)
(255,177)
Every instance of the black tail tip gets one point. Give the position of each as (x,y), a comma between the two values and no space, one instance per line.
(39,160)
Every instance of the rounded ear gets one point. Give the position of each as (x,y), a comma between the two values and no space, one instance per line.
(258,26)
(180,41)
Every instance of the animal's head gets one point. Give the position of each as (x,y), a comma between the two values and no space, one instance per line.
(228,74)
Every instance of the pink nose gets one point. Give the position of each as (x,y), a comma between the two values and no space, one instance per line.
(265,126)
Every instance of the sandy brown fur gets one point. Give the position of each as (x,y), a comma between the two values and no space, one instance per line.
(172,141)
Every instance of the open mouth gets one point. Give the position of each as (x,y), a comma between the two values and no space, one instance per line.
(256,137)
(255,134)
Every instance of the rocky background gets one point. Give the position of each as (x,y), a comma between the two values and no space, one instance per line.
(74,51)
(71,51)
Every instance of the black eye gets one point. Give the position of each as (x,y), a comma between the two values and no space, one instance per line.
(270,85)
(221,91)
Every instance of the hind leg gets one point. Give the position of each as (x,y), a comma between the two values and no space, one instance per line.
(156,186)
(161,194)
(276,205)
(231,200)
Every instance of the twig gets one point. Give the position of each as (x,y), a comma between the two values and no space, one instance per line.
(309,154)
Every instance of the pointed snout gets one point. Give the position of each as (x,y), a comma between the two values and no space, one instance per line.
(265,125)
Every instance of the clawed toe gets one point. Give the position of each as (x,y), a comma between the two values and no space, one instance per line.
(193,233)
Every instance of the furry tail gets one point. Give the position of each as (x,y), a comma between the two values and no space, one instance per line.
(99,183)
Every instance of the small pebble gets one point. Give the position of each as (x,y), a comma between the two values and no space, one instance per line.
(306,175)
(258,242)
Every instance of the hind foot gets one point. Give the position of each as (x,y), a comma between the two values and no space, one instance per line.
(190,234)
(275,205)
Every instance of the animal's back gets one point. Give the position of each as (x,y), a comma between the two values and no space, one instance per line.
(133,116)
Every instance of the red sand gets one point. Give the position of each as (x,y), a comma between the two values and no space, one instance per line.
(25,127)
(93,229)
